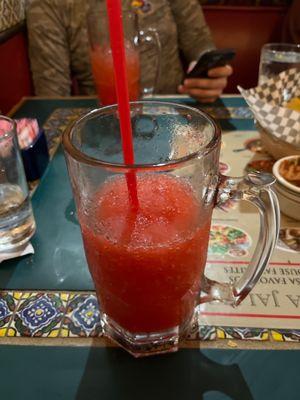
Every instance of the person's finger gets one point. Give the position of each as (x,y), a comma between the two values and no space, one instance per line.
(202,83)
(202,96)
(220,72)
(181,89)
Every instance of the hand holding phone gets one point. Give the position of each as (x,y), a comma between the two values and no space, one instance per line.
(209,60)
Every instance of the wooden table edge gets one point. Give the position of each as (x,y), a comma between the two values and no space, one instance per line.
(221,344)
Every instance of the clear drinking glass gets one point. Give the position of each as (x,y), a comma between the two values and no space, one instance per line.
(148,262)
(101,55)
(16,218)
(277,57)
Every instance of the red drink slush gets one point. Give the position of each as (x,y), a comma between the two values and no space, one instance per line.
(147,264)
(103,72)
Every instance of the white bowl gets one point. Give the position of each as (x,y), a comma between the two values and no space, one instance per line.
(288,194)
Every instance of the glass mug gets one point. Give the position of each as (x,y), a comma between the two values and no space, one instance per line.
(101,55)
(148,262)
(17,223)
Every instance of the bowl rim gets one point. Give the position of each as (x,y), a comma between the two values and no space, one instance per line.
(280,178)
(285,193)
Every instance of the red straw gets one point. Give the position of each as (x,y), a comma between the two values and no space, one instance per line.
(114,10)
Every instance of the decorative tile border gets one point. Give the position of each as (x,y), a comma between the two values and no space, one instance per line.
(39,314)
(82,317)
(285,335)
(76,315)
(7,308)
(242,333)
(49,314)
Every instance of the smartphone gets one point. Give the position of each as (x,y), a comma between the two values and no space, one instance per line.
(210,59)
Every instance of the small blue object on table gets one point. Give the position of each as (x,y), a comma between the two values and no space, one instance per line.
(36,157)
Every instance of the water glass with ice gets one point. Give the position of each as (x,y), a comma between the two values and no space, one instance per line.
(17,223)
(276,58)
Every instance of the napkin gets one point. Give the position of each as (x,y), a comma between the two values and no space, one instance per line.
(28,249)
(267,102)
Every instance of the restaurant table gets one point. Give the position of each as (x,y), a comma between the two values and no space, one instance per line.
(66,357)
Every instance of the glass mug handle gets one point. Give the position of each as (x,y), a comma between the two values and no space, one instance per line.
(150,37)
(257,189)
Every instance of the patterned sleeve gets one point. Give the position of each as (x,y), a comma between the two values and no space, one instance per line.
(193,33)
(48,47)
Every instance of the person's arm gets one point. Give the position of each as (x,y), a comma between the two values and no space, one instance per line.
(194,38)
(77,37)
(48,47)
